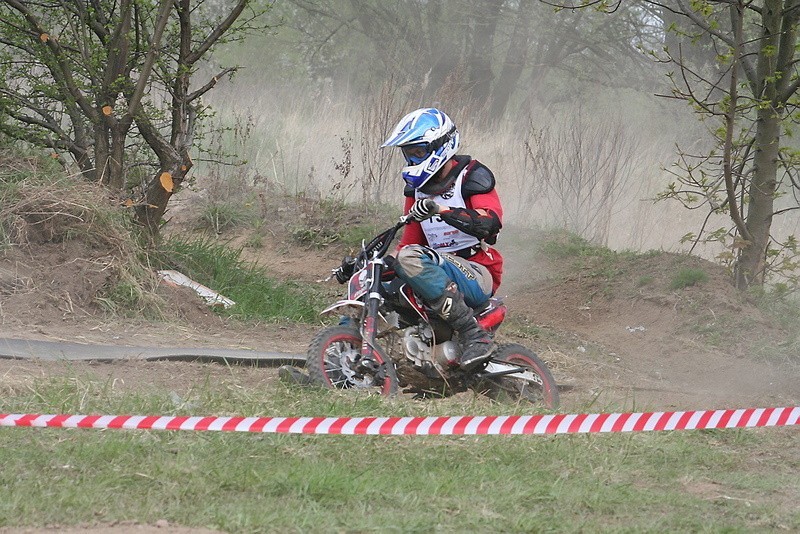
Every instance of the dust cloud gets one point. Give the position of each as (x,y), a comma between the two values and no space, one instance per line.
(585,142)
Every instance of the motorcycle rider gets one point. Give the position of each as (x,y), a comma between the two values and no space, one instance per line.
(445,255)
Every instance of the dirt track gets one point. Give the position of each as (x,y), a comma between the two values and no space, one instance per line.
(617,354)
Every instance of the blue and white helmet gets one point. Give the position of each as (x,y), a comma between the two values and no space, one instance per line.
(428,138)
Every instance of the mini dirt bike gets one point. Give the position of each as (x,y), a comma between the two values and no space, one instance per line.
(387,339)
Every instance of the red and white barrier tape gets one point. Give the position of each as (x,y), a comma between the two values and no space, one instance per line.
(421,426)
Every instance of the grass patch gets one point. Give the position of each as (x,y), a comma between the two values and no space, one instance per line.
(225,215)
(18,165)
(716,332)
(559,244)
(221,268)
(645,280)
(593,260)
(687,277)
(655,482)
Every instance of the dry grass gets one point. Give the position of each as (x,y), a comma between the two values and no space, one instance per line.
(49,215)
(325,144)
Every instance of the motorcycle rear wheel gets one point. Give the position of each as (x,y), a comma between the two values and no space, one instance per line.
(511,388)
(333,361)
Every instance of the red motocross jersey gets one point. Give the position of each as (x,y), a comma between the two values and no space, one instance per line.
(489,258)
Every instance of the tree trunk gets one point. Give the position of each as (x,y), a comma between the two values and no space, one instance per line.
(116,179)
(512,68)
(480,74)
(751,264)
(752,261)
(102,153)
(151,212)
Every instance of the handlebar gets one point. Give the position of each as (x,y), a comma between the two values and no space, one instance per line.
(378,246)
(380,243)
(404,220)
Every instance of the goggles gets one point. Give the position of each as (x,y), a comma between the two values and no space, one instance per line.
(417,153)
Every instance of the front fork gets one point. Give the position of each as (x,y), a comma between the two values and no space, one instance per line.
(369,321)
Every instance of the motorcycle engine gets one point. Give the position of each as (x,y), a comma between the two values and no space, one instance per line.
(432,360)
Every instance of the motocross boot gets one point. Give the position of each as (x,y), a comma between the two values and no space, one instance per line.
(475,342)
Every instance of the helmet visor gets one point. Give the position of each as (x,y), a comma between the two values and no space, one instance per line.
(416,153)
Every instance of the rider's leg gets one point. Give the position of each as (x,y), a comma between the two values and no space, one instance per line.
(451,287)
(475,342)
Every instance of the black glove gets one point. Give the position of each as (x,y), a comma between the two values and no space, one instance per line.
(345,270)
(423,208)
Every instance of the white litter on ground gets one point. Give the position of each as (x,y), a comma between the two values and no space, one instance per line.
(211,297)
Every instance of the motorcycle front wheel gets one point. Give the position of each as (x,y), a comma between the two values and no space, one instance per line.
(537,386)
(334,361)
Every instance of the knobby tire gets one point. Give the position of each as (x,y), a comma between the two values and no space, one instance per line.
(545,394)
(330,362)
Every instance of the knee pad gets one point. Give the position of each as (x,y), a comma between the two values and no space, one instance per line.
(412,258)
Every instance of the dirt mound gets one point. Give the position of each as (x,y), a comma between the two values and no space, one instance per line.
(71,258)
(702,306)
(57,291)
(623,328)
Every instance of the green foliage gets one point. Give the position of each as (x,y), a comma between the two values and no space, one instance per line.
(254,240)
(107,86)
(643,281)
(220,268)
(563,245)
(784,260)
(224,215)
(18,165)
(127,297)
(736,176)
(686,277)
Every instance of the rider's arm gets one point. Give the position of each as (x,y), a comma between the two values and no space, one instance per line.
(412,233)
(482,218)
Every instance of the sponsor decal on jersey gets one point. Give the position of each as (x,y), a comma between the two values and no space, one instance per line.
(450,243)
(448,194)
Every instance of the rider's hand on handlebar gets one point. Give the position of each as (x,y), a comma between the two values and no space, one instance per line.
(345,270)
(423,208)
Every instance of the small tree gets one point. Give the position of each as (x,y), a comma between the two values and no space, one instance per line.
(96,79)
(751,102)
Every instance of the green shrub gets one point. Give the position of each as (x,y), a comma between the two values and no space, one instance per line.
(688,276)
(223,215)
